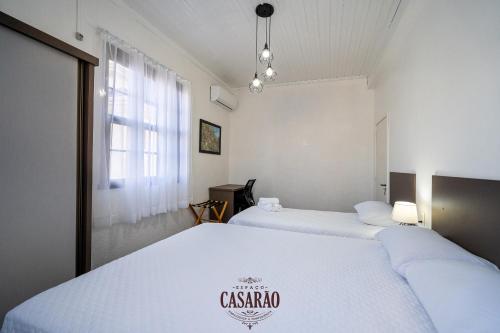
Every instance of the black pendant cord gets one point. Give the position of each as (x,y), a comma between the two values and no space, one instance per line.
(256,34)
(270,17)
(266,32)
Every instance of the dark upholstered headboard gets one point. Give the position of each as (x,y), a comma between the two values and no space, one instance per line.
(467,211)
(402,187)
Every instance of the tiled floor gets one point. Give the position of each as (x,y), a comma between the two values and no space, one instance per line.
(109,243)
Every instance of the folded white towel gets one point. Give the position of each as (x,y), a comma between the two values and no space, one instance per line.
(269,200)
(269,207)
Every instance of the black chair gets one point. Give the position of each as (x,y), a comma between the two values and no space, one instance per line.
(247,199)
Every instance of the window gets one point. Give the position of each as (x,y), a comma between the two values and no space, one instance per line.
(142,144)
(123,122)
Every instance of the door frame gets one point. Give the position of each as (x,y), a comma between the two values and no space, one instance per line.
(386,118)
(84,109)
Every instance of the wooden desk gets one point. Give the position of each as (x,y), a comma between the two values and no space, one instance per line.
(231,193)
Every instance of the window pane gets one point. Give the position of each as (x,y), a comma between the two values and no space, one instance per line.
(118,137)
(117,103)
(150,90)
(154,161)
(117,165)
(119,79)
(149,114)
(150,141)
(150,165)
(146,140)
(154,142)
(146,165)
(111,73)
(120,82)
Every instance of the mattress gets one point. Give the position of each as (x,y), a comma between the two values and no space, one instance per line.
(308,221)
(324,284)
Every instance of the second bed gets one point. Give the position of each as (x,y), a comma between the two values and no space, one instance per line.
(307,221)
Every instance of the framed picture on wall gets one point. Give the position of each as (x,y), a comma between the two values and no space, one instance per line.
(210,137)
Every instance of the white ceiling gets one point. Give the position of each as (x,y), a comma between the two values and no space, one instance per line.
(311,39)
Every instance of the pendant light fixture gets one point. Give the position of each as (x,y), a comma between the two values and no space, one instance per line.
(265,57)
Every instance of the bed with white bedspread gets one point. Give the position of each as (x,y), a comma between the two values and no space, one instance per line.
(326,284)
(307,221)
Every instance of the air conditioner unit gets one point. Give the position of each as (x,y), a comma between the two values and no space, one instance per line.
(223,97)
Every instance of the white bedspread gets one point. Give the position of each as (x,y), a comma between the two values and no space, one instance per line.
(308,221)
(326,284)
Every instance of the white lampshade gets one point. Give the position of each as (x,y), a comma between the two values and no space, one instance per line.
(405,212)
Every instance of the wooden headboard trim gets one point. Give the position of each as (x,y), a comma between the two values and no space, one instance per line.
(467,211)
(402,186)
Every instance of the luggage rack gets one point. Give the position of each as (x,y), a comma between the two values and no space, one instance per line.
(213,205)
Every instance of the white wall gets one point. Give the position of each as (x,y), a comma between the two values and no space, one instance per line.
(309,144)
(439,81)
(58,18)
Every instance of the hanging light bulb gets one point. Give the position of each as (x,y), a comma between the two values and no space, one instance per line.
(269,74)
(266,56)
(256,85)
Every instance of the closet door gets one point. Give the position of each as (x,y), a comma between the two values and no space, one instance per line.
(38,168)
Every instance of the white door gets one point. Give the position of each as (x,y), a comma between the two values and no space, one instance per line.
(381,161)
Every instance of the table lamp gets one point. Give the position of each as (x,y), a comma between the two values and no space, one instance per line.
(405,213)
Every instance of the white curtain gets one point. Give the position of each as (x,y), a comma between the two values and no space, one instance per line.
(142,137)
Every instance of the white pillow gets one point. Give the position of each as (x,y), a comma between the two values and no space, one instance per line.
(375,212)
(458,296)
(409,243)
